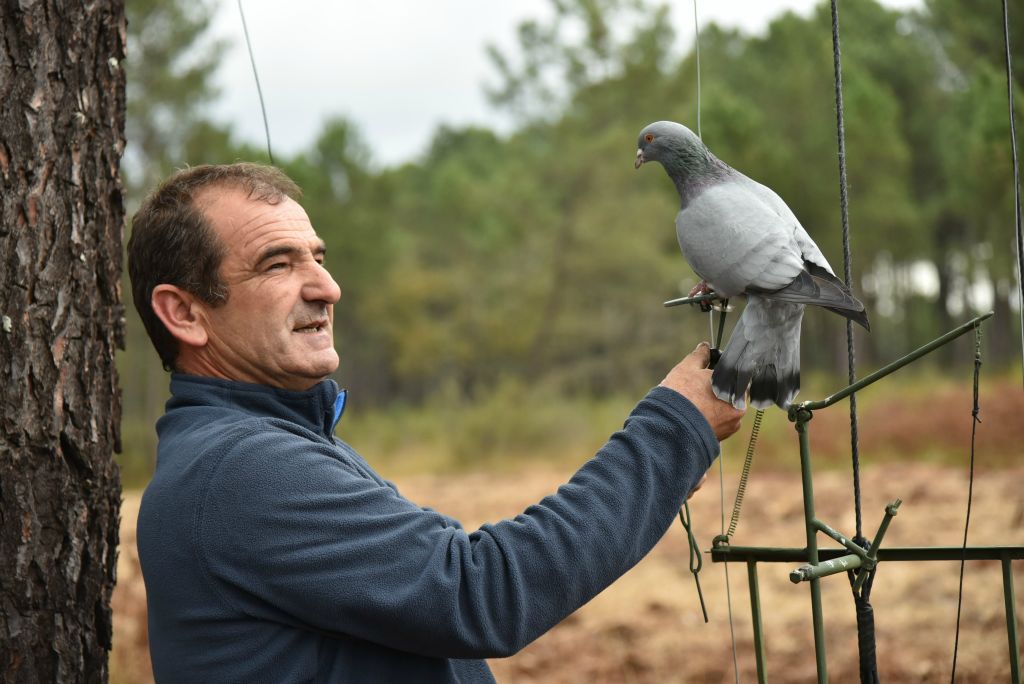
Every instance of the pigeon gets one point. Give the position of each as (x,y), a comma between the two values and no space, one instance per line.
(740,238)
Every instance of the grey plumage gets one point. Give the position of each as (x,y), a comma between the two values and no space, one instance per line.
(742,239)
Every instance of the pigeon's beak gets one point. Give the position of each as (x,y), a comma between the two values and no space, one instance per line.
(639,159)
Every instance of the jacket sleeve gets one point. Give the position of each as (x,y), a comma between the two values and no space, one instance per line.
(287,531)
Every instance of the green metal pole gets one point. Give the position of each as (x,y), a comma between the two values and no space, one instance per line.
(890,513)
(890,368)
(1011,621)
(806,573)
(801,419)
(755,616)
(767,554)
(849,544)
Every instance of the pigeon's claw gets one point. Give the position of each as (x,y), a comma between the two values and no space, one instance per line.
(701,288)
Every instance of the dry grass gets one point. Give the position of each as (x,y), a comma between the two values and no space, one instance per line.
(647,627)
(917,419)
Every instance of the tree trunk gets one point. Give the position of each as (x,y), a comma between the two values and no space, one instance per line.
(1002,333)
(949,235)
(61,138)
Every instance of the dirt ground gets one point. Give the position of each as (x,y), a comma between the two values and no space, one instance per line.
(648,627)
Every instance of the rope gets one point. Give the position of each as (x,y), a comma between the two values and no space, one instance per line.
(970,491)
(696,562)
(1016,174)
(865,622)
(865,613)
(847,261)
(259,90)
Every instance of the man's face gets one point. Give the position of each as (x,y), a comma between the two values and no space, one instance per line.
(277,326)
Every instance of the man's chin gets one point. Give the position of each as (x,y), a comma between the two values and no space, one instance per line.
(326,363)
(308,372)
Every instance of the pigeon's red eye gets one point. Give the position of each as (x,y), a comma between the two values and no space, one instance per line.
(649,137)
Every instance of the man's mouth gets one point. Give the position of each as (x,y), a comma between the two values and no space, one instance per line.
(314,327)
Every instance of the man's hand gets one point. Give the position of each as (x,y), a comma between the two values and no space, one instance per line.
(692,378)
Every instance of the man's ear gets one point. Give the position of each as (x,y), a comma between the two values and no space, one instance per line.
(180,312)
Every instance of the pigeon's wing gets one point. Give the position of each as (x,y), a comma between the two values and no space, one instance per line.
(802,241)
(812,286)
(735,241)
(816,283)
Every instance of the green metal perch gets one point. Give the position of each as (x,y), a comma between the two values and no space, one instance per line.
(822,563)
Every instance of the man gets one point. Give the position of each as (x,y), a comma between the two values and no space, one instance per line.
(271,551)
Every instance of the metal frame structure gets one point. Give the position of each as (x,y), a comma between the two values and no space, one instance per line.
(819,563)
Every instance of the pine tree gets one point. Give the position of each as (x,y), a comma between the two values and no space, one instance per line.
(62,114)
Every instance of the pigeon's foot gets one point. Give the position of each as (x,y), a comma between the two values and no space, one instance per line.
(701,288)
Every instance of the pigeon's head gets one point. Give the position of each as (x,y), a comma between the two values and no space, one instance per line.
(672,144)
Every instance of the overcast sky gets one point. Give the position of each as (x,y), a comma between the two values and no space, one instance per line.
(398,68)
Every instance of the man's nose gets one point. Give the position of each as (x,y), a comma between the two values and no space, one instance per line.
(321,286)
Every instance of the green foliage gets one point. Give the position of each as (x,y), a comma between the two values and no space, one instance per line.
(498,284)
(170,65)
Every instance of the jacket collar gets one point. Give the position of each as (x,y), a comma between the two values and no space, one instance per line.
(317,409)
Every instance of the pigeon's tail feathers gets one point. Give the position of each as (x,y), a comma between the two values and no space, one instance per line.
(770,386)
(763,354)
(817,286)
(730,380)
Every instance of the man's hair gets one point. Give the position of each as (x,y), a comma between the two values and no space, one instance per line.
(173,241)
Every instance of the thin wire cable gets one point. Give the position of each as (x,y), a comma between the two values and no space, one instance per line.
(728,591)
(721,498)
(970,491)
(1016,176)
(696,43)
(259,90)
(847,262)
(711,321)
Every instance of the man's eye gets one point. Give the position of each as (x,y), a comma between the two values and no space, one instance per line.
(277,266)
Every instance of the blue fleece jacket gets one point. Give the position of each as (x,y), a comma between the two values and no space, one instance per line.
(272,552)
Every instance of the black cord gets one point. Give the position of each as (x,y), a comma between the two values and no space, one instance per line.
(865,613)
(865,620)
(847,261)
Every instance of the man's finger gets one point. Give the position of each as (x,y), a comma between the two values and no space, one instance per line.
(699,357)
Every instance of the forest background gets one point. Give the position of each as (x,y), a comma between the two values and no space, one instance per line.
(502,305)
(502,291)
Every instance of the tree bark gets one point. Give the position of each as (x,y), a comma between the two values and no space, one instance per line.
(61,137)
